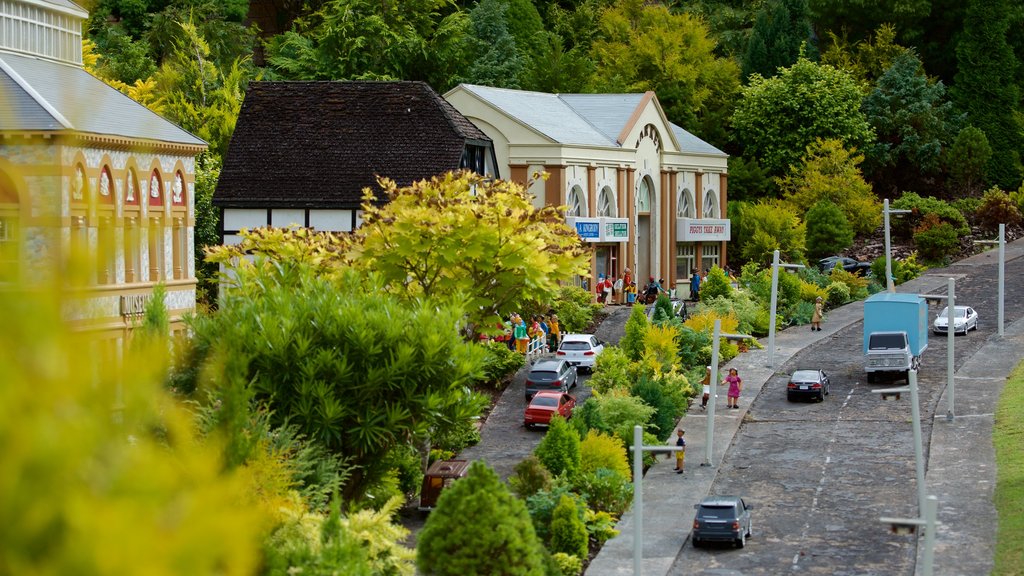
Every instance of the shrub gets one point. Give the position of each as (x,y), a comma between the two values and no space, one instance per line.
(541,506)
(636,327)
(935,240)
(969,205)
(606,490)
(997,208)
(600,450)
(568,565)
(500,362)
(611,370)
(600,525)
(457,436)
(921,208)
(771,225)
(801,313)
(837,294)
(748,312)
(660,346)
(575,309)
(529,478)
(663,421)
(662,309)
(1016,197)
(619,412)
(809,292)
(705,320)
(717,285)
(694,347)
(902,270)
(503,537)
(856,285)
(828,231)
(559,451)
(568,533)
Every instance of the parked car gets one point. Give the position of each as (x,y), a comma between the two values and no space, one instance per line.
(722,519)
(556,374)
(580,350)
(545,405)
(849,264)
(965,319)
(812,384)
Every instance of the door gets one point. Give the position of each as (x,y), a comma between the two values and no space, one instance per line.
(643,241)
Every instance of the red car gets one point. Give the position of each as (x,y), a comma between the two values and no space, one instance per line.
(544,405)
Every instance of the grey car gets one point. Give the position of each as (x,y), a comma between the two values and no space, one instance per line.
(722,519)
(812,384)
(557,375)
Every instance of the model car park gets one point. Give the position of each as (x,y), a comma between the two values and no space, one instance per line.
(547,375)
(807,384)
(545,405)
(580,350)
(964,320)
(722,519)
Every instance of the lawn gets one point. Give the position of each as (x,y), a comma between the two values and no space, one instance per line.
(1008,436)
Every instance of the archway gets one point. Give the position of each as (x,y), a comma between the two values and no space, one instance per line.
(644,238)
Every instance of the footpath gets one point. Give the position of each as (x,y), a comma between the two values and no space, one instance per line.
(961,468)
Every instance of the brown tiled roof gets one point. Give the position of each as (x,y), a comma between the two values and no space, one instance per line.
(318,144)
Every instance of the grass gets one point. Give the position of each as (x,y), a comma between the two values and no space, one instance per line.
(1008,437)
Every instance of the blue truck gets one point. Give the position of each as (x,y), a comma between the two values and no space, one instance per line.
(895,334)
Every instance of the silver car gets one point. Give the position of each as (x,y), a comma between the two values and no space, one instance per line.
(965,319)
(580,350)
(722,519)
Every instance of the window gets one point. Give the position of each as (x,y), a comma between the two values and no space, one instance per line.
(686,261)
(643,196)
(710,204)
(684,204)
(709,255)
(576,206)
(606,203)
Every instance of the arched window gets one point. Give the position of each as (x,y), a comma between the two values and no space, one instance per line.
(156,229)
(643,197)
(684,204)
(179,238)
(710,204)
(132,229)
(575,205)
(9,211)
(606,203)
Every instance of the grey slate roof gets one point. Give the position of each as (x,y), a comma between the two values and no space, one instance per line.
(42,95)
(581,119)
(318,144)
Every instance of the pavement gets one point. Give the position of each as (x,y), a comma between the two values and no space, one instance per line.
(960,471)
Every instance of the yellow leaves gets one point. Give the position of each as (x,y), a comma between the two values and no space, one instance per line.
(704,321)
(661,348)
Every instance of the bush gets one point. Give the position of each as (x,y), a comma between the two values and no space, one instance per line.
(922,207)
(618,412)
(694,347)
(660,347)
(606,490)
(902,270)
(541,507)
(568,533)
(747,311)
(828,230)
(663,421)
(968,206)
(997,208)
(568,565)
(600,525)
(801,313)
(530,477)
(837,294)
(935,240)
(636,327)
(857,286)
(600,450)
(810,292)
(500,362)
(662,309)
(771,225)
(575,309)
(705,320)
(611,371)
(717,285)
(559,451)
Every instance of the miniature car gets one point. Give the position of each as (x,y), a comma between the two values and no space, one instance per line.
(722,519)
(965,319)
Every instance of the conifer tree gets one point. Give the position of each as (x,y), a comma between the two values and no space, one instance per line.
(828,230)
(568,533)
(636,326)
(779,31)
(559,451)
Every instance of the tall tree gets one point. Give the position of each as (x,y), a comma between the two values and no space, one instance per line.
(968,160)
(986,87)
(780,31)
(778,118)
(498,61)
(643,47)
(914,124)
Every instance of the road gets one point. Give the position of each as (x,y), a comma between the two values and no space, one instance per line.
(821,474)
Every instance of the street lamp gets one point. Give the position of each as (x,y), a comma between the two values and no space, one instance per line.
(638,449)
(915,416)
(909,525)
(950,338)
(775,297)
(889,285)
(716,336)
(1001,241)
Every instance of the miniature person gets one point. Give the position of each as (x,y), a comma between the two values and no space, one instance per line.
(631,293)
(617,291)
(627,278)
(681,453)
(520,334)
(600,288)
(706,384)
(695,286)
(555,336)
(735,386)
(816,318)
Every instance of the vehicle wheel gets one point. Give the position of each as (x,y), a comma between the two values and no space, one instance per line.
(790,397)
(871,377)
(696,542)
(821,397)
(750,529)
(742,541)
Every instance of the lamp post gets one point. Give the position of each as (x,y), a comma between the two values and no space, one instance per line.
(889,285)
(775,297)
(638,449)
(915,416)
(717,334)
(1001,241)
(950,340)
(929,522)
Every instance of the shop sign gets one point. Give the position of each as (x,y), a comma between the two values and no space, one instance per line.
(702,229)
(134,304)
(615,229)
(589,229)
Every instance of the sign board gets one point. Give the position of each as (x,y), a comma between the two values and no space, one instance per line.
(702,229)
(614,229)
(589,229)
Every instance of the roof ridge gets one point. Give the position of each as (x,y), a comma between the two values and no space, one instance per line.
(36,96)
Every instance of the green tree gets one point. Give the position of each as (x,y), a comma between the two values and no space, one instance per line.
(968,161)
(568,533)
(499,540)
(463,238)
(748,181)
(997,208)
(778,118)
(356,370)
(716,285)
(828,230)
(643,46)
(987,86)
(913,126)
(557,69)
(498,61)
(559,451)
(865,59)
(636,328)
(829,171)
(780,31)
(768,226)
(206,232)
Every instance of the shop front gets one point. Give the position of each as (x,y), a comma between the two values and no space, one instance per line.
(608,236)
(700,244)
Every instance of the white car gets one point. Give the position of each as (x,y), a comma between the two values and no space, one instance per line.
(580,350)
(964,320)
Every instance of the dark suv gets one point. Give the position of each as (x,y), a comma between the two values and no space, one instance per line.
(849,264)
(722,519)
(556,375)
